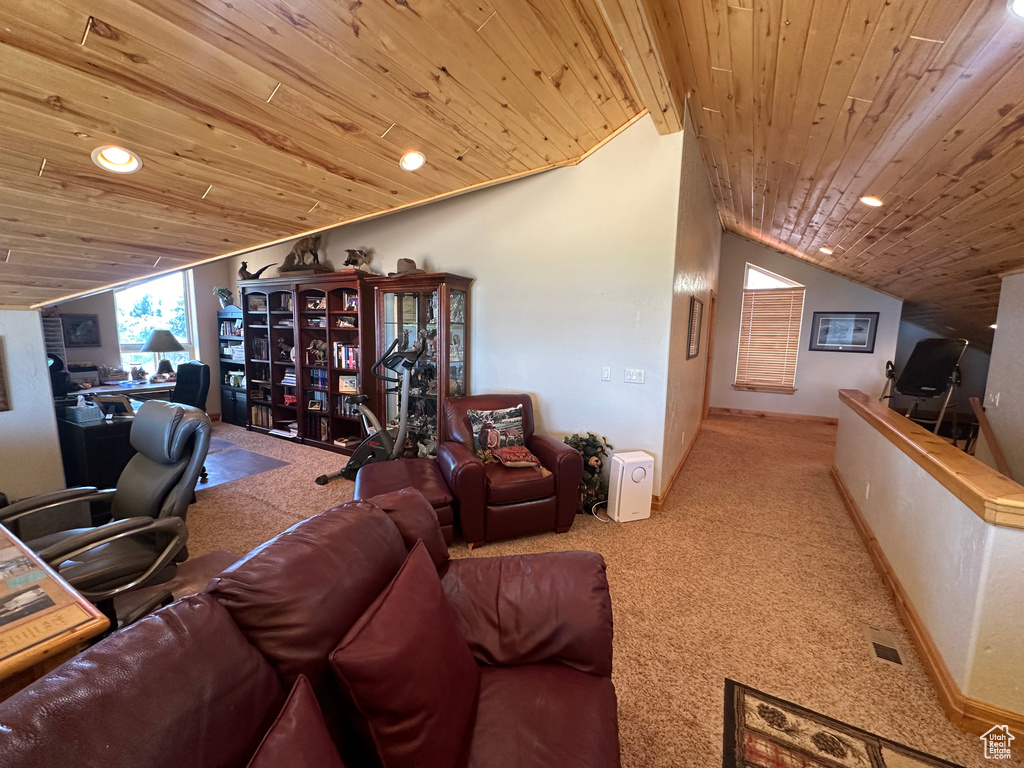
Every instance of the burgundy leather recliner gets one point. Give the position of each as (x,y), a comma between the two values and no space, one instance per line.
(200,682)
(498,502)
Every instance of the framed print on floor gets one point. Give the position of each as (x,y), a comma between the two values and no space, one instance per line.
(843,332)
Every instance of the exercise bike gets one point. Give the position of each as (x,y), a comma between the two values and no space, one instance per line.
(381,444)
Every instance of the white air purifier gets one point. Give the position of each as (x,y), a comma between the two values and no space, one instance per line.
(632,485)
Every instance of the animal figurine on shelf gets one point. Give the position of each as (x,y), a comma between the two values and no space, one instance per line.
(245,274)
(304,247)
(284,350)
(359,259)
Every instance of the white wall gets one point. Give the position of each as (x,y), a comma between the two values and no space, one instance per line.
(207,329)
(1006,376)
(698,244)
(30,460)
(973,366)
(102,305)
(573,271)
(962,575)
(818,374)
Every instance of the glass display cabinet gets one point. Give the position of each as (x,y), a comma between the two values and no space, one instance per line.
(430,310)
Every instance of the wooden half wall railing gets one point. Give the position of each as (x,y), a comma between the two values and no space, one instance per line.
(990,437)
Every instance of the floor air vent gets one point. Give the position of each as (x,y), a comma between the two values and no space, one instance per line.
(884,646)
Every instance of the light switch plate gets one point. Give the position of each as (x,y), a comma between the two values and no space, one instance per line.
(634,375)
(606,373)
(992,398)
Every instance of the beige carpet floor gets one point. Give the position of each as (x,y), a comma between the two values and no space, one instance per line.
(752,571)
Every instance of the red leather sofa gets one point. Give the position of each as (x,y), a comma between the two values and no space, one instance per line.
(497,502)
(201,682)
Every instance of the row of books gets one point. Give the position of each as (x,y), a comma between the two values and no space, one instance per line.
(288,379)
(261,416)
(318,427)
(231,327)
(344,409)
(261,347)
(345,355)
(319,397)
(318,377)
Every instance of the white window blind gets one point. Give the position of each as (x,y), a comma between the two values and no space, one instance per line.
(769,339)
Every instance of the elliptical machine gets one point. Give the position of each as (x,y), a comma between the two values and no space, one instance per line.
(381,444)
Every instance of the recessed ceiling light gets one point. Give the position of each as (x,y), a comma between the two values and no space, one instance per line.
(826,250)
(1016,7)
(116,159)
(993,326)
(412,160)
(874,202)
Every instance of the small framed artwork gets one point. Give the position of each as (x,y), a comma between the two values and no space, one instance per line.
(314,405)
(693,333)
(315,302)
(843,332)
(81,330)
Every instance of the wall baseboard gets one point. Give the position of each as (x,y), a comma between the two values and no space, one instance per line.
(657,501)
(969,714)
(772,415)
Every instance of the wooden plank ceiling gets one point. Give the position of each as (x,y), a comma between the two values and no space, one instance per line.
(262,119)
(804,106)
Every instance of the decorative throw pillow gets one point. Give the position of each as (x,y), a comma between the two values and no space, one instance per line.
(496,429)
(515,456)
(299,737)
(408,671)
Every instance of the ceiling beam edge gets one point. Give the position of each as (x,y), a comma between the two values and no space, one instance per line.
(630,27)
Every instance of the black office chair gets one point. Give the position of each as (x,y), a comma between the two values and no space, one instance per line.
(147,534)
(191,386)
(932,371)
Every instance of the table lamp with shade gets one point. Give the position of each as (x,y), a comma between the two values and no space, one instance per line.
(162,341)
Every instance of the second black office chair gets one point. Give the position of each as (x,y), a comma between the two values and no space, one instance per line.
(191,386)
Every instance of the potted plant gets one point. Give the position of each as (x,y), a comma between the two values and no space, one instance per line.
(594,483)
(224,294)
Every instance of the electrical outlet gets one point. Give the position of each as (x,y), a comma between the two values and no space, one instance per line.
(867,491)
(606,373)
(992,398)
(634,375)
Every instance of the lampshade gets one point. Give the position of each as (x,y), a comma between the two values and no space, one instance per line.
(162,341)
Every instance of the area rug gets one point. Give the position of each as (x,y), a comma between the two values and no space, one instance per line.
(218,444)
(235,463)
(762,731)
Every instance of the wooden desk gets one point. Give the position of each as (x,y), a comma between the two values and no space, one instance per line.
(43,620)
(138,390)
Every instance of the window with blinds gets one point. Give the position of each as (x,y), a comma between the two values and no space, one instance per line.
(769,334)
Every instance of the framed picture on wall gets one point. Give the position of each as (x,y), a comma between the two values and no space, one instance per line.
(81,330)
(843,332)
(5,402)
(693,333)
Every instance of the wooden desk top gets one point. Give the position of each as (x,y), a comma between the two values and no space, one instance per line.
(41,615)
(993,497)
(135,388)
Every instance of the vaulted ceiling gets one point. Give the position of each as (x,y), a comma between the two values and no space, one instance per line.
(804,106)
(261,119)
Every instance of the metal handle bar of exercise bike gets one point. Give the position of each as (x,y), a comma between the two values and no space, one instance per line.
(409,360)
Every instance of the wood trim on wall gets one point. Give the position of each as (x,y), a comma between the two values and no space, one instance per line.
(716,411)
(967,713)
(993,497)
(657,502)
